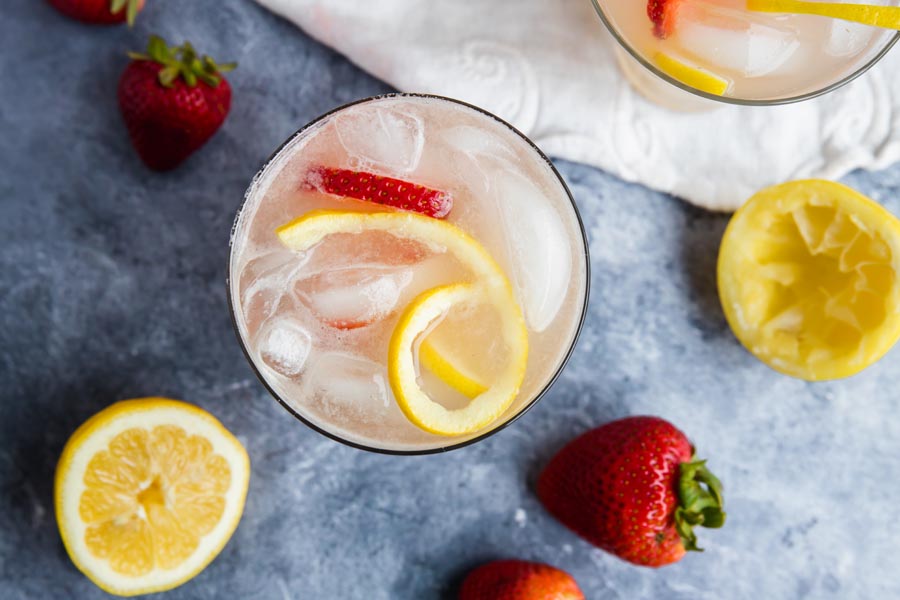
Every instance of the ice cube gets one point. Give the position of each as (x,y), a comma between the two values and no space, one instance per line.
(267,263)
(353,297)
(477,151)
(538,247)
(348,386)
(477,142)
(284,345)
(265,282)
(744,43)
(847,39)
(370,249)
(383,137)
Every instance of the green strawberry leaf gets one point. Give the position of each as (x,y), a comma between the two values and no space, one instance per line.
(700,502)
(182,61)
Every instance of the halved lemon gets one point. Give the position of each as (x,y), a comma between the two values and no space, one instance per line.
(807,277)
(491,286)
(692,75)
(147,493)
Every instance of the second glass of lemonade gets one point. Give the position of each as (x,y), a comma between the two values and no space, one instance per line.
(408,274)
(732,51)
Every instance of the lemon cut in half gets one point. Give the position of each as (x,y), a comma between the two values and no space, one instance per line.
(807,277)
(147,493)
(489,400)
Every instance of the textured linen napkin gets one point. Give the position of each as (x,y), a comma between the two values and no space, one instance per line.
(548,67)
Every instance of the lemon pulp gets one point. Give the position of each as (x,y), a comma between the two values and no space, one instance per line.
(147,493)
(807,278)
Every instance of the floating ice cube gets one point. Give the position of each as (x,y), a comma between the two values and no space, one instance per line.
(284,345)
(538,247)
(355,297)
(383,137)
(748,44)
(476,142)
(847,39)
(270,262)
(348,386)
(477,151)
(266,282)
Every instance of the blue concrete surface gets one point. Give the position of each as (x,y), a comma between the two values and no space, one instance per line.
(112,286)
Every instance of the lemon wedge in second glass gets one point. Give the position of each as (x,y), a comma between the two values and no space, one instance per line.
(807,277)
(696,77)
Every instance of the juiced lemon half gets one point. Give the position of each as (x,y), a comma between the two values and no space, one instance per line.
(147,493)
(807,277)
(489,285)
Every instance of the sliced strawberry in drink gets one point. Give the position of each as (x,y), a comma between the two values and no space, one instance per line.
(381,190)
(663,13)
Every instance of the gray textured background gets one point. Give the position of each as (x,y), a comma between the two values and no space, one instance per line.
(112,286)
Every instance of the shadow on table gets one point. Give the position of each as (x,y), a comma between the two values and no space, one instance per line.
(33,451)
(700,238)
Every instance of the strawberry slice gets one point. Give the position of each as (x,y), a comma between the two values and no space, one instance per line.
(381,190)
(663,13)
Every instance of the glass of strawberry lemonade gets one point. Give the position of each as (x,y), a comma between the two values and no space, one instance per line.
(408,274)
(746,51)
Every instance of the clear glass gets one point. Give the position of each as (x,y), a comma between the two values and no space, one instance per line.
(810,77)
(431,140)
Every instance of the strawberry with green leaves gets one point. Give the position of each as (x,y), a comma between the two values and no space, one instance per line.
(173,100)
(101,12)
(633,488)
(519,580)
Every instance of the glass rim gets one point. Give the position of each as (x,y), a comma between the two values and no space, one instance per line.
(742,101)
(452,446)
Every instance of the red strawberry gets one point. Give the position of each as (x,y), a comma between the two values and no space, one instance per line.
(103,12)
(173,101)
(632,488)
(382,190)
(663,13)
(519,580)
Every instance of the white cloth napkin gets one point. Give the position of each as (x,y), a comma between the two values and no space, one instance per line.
(547,66)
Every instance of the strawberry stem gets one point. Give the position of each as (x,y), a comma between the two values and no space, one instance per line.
(700,502)
(182,61)
(132,8)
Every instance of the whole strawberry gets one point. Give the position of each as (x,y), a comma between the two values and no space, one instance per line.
(102,12)
(632,488)
(519,580)
(173,101)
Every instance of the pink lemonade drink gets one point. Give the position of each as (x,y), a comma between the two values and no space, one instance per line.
(408,273)
(724,50)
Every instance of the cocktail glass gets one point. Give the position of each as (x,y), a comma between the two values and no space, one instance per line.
(317,325)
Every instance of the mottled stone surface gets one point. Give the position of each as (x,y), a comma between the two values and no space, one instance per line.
(112,286)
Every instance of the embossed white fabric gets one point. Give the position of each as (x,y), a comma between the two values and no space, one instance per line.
(548,67)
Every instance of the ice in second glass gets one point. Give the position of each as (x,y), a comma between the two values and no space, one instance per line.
(318,323)
(760,56)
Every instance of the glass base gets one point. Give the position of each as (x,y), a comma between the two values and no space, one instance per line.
(658,90)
